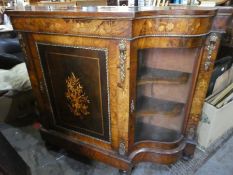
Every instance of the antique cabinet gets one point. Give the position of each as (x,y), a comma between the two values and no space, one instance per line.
(119,84)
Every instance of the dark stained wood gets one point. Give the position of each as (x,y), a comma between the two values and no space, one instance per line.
(74,62)
(222,19)
(168,41)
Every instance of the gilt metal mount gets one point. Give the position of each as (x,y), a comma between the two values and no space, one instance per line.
(210,48)
(132,106)
(191,133)
(122,150)
(122,57)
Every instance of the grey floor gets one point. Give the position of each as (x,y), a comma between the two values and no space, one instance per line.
(221,163)
(29,145)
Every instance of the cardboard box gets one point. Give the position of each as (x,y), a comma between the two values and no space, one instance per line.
(215,122)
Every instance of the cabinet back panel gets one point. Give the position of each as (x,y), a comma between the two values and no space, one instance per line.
(178,59)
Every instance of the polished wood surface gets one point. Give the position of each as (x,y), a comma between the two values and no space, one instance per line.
(66,3)
(71,3)
(161,38)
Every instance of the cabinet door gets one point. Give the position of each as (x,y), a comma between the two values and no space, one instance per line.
(77,77)
(165,80)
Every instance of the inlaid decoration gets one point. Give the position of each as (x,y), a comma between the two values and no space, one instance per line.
(77,99)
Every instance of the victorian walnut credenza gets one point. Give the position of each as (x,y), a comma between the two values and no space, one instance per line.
(120,85)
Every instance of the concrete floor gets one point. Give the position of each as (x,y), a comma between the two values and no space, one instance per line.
(30,147)
(221,163)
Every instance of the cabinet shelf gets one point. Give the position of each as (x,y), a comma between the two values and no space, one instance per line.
(145,131)
(164,91)
(173,113)
(149,76)
(151,106)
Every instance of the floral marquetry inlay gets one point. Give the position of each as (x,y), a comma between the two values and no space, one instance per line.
(78,101)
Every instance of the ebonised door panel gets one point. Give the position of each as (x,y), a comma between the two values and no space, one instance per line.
(77,84)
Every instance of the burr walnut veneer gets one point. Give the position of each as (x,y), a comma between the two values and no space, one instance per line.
(117,84)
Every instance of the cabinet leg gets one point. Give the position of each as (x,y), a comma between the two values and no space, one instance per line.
(125,172)
(189,149)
